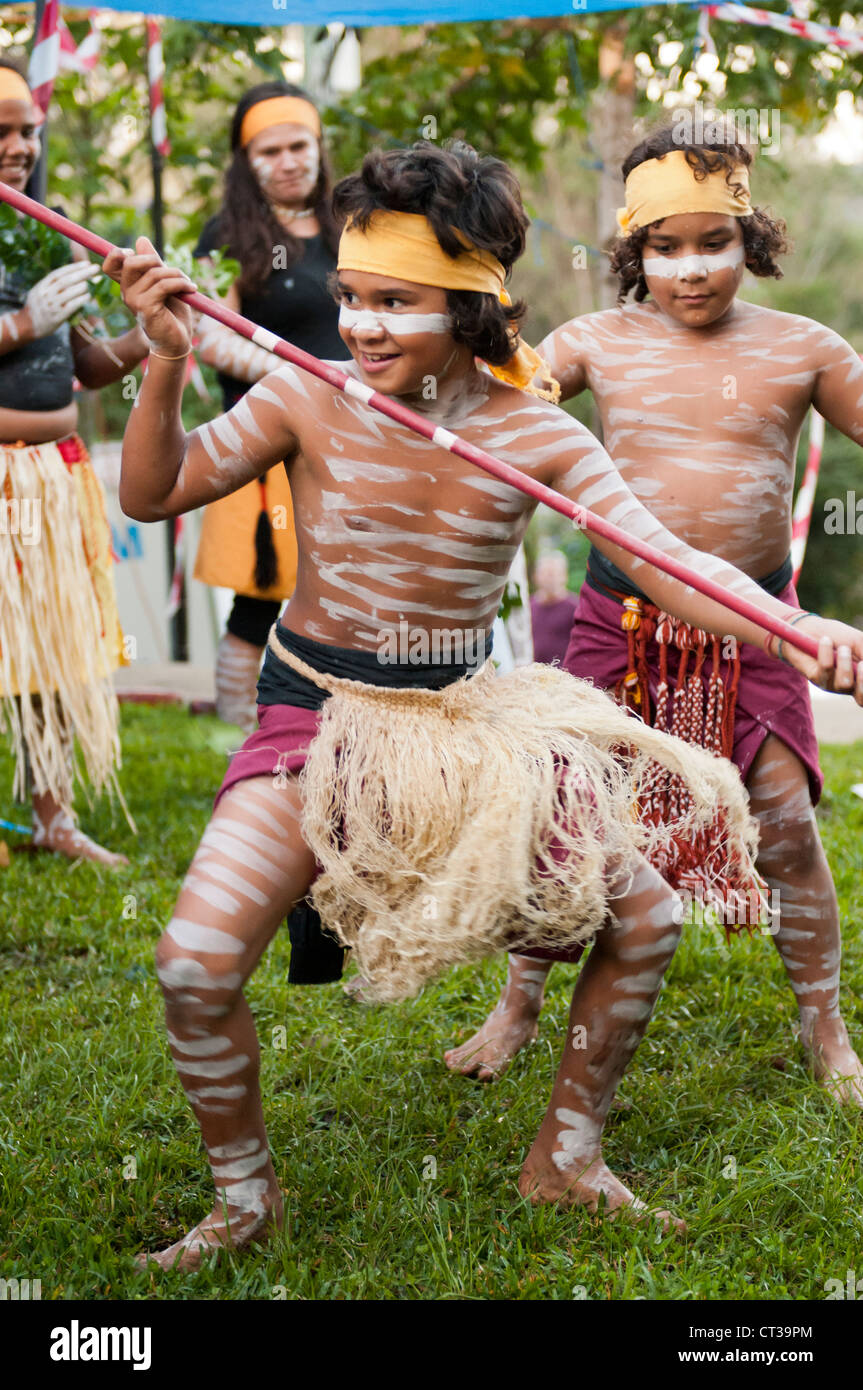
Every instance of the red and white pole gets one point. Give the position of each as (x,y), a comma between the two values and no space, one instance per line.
(155,74)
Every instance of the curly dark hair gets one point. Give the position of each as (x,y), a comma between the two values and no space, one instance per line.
(452,186)
(247,223)
(764,237)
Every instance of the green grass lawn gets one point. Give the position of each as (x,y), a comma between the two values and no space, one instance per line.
(717,1114)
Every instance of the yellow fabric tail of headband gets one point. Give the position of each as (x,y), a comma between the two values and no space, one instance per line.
(524,366)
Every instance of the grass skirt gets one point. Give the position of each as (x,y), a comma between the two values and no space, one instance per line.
(451,824)
(60,635)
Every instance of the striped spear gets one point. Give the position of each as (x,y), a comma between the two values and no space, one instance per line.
(539,492)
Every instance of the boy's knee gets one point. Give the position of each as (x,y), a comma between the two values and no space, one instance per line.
(650,939)
(195,987)
(794,852)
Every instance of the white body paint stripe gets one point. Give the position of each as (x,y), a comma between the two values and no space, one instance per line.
(191,936)
(199,1047)
(213,1070)
(238,1149)
(184,973)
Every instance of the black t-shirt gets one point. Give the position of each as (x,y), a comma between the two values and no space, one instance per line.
(39,374)
(295,303)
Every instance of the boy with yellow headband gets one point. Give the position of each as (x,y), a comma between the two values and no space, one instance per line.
(443,812)
(702,397)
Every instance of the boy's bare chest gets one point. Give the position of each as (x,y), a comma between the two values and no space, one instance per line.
(739,393)
(413,492)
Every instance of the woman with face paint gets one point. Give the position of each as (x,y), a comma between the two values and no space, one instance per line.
(702,398)
(276,221)
(59,632)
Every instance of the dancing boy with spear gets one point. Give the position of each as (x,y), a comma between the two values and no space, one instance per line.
(447,812)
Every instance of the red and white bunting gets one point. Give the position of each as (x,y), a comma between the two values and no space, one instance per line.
(79,57)
(155,72)
(45,57)
(845,39)
(703,37)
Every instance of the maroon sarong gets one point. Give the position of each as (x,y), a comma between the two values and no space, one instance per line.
(772,698)
(278,746)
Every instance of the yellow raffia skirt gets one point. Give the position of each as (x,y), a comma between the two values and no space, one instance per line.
(60,635)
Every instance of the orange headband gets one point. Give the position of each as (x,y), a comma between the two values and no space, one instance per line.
(13,87)
(275,111)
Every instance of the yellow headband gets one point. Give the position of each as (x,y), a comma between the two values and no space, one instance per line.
(404,245)
(13,87)
(275,111)
(663,187)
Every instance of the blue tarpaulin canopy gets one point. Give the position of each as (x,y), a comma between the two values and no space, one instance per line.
(362,13)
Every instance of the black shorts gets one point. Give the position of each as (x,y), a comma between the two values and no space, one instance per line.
(252,618)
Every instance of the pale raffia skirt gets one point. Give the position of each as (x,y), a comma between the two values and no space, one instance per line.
(453,824)
(60,635)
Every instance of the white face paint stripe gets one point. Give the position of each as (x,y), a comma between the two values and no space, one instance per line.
(671,268)
(396,325)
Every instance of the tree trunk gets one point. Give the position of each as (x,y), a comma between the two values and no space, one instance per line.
(612,112)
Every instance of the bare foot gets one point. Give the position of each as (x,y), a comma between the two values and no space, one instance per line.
(489,1052)
(226,1228)
(546,1178)
(55,830)
(833,1060)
